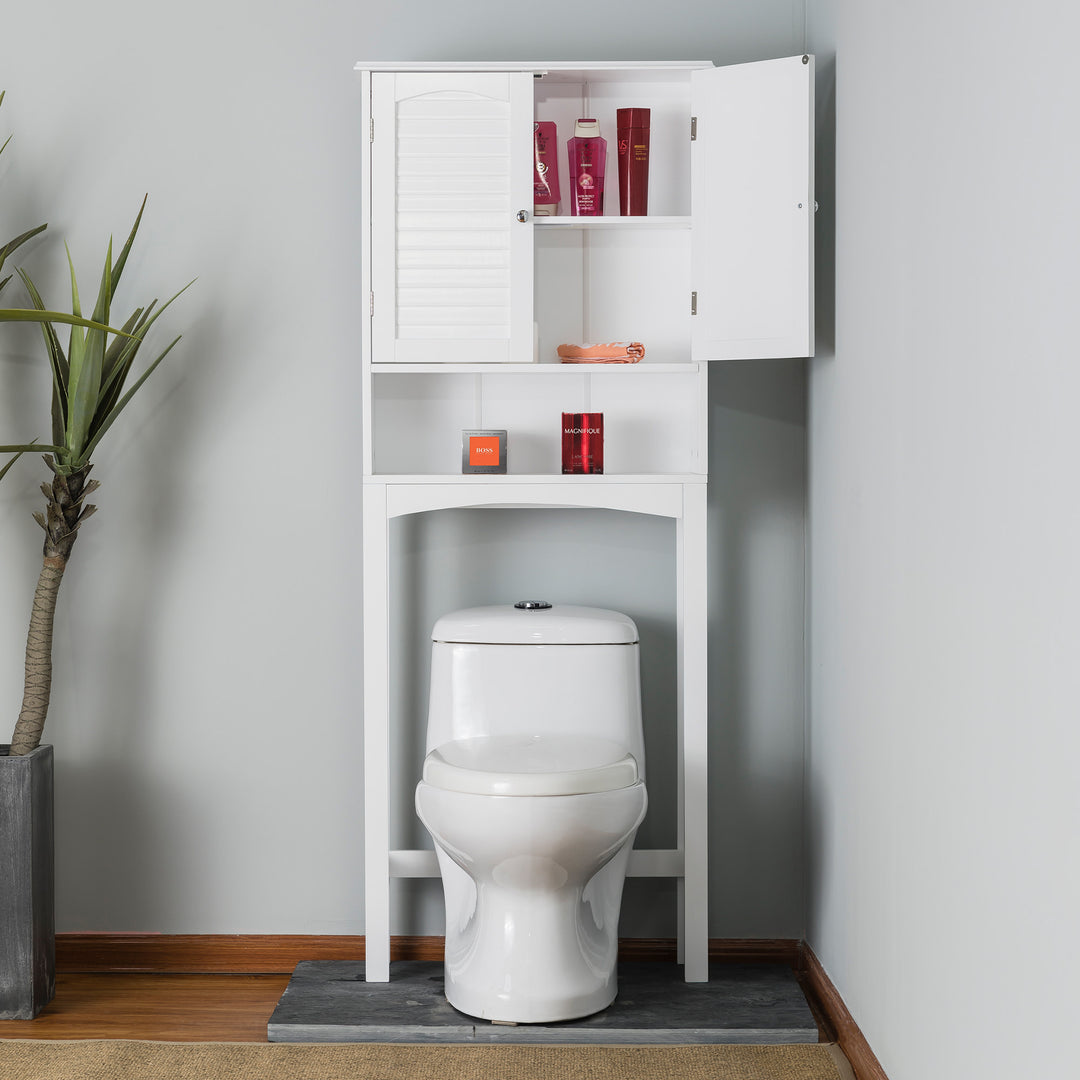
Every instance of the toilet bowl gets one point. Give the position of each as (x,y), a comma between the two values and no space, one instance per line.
(532,790)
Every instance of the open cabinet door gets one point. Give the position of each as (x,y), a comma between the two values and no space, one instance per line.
(451,165)
(752,194)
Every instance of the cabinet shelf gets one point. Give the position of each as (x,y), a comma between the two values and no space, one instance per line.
(496,479)
(541,368)
(609,221)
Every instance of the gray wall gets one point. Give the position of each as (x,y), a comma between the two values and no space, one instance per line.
(944,535)
(206,710)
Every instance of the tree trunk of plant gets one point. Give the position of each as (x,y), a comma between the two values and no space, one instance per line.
(38,680)
(64,513)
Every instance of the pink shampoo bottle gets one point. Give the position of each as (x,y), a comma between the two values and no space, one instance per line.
(588,158)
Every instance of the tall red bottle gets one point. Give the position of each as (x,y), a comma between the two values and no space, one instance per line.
(633,136)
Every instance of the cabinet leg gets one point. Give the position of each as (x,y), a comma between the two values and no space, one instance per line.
(693,709)
(376,737)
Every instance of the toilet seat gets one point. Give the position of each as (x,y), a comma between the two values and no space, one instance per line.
(530,765)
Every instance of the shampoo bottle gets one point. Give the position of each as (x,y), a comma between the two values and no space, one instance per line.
(588,157)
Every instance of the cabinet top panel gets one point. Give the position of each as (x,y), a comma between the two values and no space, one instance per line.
(568,69)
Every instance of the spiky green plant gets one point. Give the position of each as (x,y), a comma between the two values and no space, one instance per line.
(88,395)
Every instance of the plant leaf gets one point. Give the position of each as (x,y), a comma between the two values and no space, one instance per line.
(4,470)
(84,383)
(57,361)
(12,245)
(42,316)
(76,347)
(115,412)
(22,448)
(121,261)
(118,360)
(114,383)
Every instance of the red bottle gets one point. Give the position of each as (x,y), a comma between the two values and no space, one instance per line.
(633,135)
(588,160)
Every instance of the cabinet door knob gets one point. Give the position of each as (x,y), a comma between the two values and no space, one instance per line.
(523,215)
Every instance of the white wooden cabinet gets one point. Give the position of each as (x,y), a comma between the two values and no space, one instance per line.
(467,295)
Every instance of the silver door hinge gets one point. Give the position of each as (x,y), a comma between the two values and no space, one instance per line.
(693,303)
(693,128)
(371,304)
(371,130)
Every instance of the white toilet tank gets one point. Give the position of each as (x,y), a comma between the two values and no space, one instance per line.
(551,670)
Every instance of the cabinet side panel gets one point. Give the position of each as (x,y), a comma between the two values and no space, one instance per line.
(366,295)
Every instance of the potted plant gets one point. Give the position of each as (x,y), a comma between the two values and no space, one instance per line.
(88,395)
(26,903)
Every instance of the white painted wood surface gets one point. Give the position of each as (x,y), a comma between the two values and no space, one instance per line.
(376,735)
(450,346)
(753,210)
(451,166)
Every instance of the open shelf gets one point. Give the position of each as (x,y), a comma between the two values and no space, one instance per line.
(654,420)
(497,479)
(608,221)
(543,367)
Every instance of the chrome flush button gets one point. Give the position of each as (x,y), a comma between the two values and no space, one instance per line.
(532,605)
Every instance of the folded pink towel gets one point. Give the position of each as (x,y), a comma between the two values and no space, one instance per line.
(613,352)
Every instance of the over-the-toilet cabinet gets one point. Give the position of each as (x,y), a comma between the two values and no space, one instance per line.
(467,295)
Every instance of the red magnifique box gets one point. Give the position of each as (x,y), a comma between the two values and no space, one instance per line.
(582,442)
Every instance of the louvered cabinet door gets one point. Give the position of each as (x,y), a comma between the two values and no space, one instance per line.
(452,264)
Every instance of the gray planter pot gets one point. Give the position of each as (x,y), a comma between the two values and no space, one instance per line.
(27,930)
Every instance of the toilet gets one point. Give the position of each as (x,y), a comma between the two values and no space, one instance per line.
(533,788)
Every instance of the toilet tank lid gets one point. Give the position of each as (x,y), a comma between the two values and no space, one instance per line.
(560,624)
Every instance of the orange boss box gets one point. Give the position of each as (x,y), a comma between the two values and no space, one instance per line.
(483,451)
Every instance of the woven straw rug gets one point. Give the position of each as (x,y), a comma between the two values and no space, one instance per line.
(31,1059)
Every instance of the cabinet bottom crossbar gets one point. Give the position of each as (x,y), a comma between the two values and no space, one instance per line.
(661,863)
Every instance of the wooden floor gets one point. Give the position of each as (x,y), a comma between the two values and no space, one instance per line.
(172,1008)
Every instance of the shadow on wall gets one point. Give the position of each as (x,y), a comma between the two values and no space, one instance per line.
(757,500)
(119,848)
(121,845)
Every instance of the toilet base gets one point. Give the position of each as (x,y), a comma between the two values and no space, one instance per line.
(532,887)
(534,1011)
(533,956)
